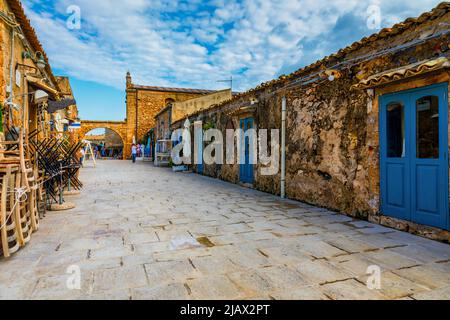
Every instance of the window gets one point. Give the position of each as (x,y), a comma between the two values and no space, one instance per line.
(396,130)
(427,130)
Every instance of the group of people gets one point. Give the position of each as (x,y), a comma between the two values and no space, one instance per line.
(137,151)
(99,151)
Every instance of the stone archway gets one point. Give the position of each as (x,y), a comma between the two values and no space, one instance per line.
(120,127)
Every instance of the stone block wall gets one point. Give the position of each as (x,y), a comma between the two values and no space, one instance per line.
(332,142)
(181,109)
(163,120)
(143,104)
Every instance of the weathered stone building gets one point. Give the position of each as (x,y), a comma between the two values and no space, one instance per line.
(163,122)
(366,128)
(176,111)
(64,118)
(66,92)
(145,102)
(181,109)
(29,95)
(23,63)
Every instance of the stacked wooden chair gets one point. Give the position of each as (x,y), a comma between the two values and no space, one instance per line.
(57,158)
(8,230)
(34,171)
(20,191)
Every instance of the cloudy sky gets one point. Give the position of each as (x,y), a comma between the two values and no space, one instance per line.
(195,43)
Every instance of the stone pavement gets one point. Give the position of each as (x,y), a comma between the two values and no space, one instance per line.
(141,232)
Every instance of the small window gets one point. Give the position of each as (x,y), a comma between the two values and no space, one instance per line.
(396,130)
(427,131)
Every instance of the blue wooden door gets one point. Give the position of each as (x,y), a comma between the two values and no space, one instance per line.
(395,180)
(199,143)
(246,166)
(429,165)
(414,155)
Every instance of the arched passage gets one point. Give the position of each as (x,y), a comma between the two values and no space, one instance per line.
(119,127)
(107,143)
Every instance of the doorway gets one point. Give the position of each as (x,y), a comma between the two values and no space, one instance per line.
(246,168)
(414,155)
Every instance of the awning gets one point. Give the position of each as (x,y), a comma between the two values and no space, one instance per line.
(38,83)
(405,72)
(54,106)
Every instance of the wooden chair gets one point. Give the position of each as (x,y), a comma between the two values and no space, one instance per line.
(8,231)
(25,215)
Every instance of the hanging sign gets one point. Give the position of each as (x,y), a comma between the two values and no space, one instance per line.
(75,126)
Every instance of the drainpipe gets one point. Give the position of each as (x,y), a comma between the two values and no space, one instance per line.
(137,121)
(283,148)
(11,64)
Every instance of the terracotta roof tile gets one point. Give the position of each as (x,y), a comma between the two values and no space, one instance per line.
(411,70)
(439,11)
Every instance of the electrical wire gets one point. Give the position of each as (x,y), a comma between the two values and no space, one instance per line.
(9,19)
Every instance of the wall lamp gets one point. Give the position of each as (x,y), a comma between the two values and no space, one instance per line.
(39,96)
(38,57)
(332,74)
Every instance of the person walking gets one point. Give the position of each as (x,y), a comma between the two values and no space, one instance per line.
(133,152)
(82,155)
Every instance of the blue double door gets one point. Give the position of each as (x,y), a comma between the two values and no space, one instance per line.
(198,140)
(246,166)
(414,156)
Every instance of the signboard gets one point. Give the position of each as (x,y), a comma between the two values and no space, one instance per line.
(18,78)
(75,126)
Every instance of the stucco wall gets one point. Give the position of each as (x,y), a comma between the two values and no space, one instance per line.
(182,109)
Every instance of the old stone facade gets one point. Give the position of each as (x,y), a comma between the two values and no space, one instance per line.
(176,111)
(71,112)
(119,127)
(145,102)
(64,118)
(332,134)
(182,109)
(112,139)
(19,73)
(163,122)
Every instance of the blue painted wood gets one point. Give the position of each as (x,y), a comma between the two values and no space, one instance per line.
(246,168)
(429,177)
(412,188)
(198,136)
(395,181)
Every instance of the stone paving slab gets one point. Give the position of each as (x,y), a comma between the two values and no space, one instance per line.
(140,232)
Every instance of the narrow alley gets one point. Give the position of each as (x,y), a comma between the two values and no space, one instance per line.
(141,232)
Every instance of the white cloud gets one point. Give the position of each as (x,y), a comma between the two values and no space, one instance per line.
(194,43)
